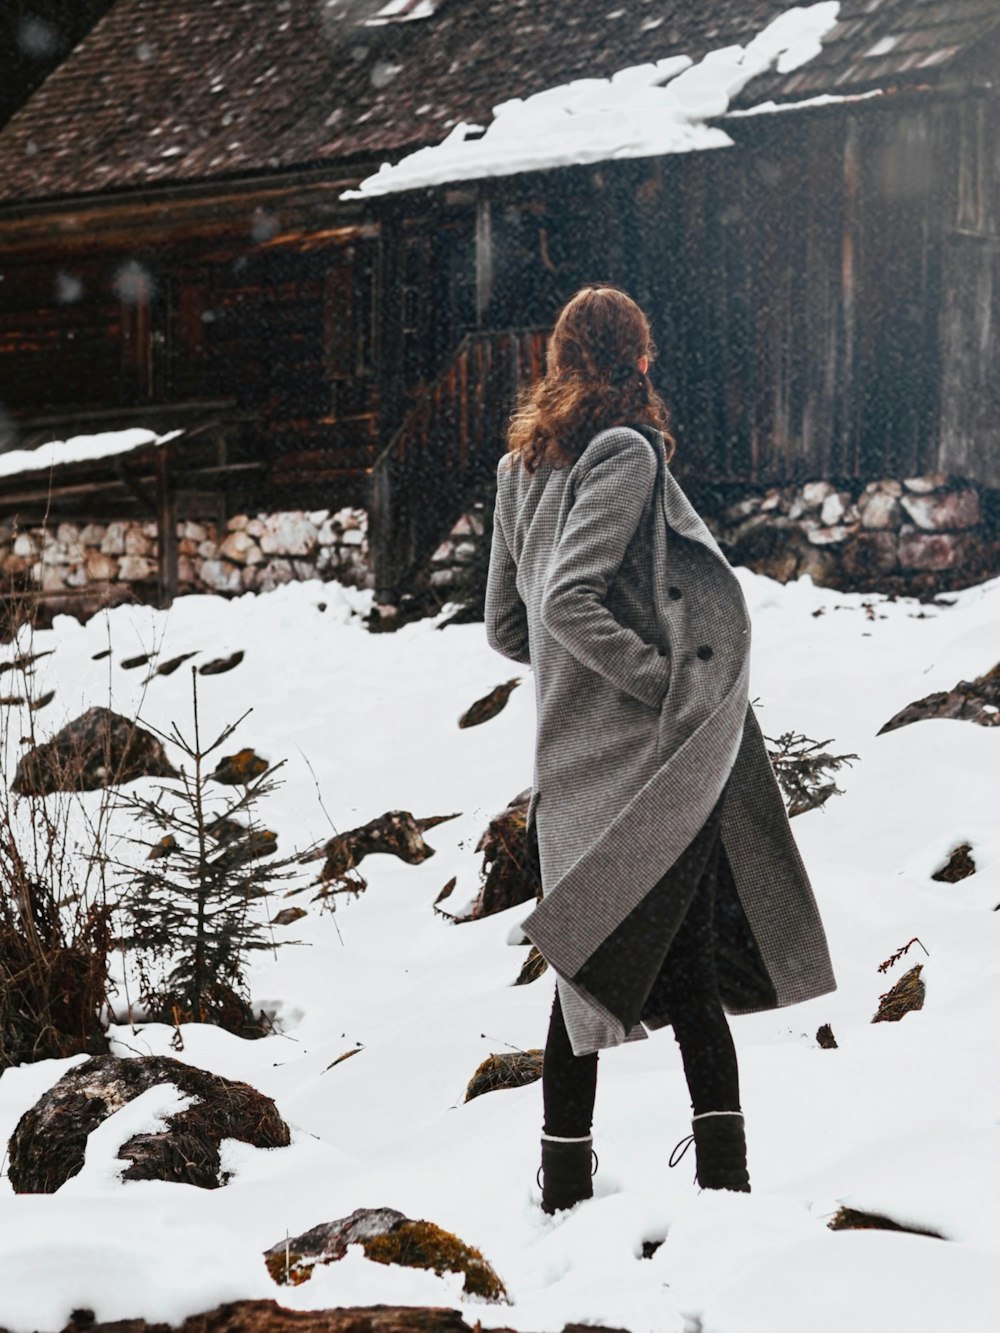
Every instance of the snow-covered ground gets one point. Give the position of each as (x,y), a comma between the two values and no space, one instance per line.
(902,1119)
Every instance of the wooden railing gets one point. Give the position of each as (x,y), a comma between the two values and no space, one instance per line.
(445,451)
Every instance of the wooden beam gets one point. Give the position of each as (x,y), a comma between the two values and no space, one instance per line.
(166,524)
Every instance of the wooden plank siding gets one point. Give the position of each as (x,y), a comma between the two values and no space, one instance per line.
(970,313)
(445,453)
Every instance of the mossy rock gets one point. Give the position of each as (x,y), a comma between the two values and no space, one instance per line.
(99,749)
(907,995)
(50,1140)
(241,768)
(387,1237)
(514,1069)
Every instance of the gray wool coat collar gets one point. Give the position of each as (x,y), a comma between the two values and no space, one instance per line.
(605,579)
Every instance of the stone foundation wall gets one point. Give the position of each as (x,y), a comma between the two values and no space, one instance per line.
(252,554)
(917,536)
(460,551)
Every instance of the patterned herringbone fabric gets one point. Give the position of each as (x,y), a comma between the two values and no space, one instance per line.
(604,578)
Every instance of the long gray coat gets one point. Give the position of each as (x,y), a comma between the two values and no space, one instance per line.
(607,582)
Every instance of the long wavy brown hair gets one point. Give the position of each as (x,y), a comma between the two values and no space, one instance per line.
(593,381)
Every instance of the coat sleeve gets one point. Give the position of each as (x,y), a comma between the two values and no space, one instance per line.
(608,504)
(506,616)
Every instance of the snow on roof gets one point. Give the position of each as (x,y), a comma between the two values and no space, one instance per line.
(641,111)
(79,449)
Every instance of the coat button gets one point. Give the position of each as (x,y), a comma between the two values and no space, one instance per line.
(674,593)
(704,652)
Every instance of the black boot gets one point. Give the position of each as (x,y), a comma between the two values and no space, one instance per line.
(720,1151)
(566,1172)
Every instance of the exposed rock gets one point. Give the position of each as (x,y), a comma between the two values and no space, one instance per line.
(396,833)
(959,866)
(113,541)
(99,749)
(510,866)
(852,1219)
(49,1142)
(222,576)
(237,523)
(289,534)
(219,665)
(353,537)
(137,543)
(833,508)
(274,574)
(935,550)
(134,569)
(880,510)
(825,1038)
(25,545)
(195,532)
(288,915)
(924,485)
(870,554)
(829,536)
(240,769)
(969,701)
(907,995)
(92,534)
(815,492)
(386,1236)
(532,968)
(101,567)
(509,1069)
(943,512)
(238,547)
(490,705)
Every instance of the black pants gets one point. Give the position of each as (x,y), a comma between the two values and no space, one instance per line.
(690,991)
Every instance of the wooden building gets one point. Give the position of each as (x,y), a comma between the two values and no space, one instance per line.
(176,252)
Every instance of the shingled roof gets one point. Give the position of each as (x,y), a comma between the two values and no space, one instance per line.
(200,89)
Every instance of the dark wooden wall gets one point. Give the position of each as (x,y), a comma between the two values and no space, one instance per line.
(281,329)
(970,315)
(824,295)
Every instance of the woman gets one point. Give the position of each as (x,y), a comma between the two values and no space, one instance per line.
(673,889)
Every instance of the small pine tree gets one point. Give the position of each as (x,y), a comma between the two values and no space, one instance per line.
(189,912)
(804,770)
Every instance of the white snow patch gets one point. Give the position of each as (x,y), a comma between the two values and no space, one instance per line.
(79,449)
(645,111)
(823,99)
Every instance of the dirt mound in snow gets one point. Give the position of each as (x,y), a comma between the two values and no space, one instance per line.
(99,749)
(50,1141)
(387,1237)
(269,1317)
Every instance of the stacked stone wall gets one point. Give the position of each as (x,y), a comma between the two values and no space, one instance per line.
(252,553)
(920,535)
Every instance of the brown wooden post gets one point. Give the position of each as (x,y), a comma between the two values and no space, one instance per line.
(166,523)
